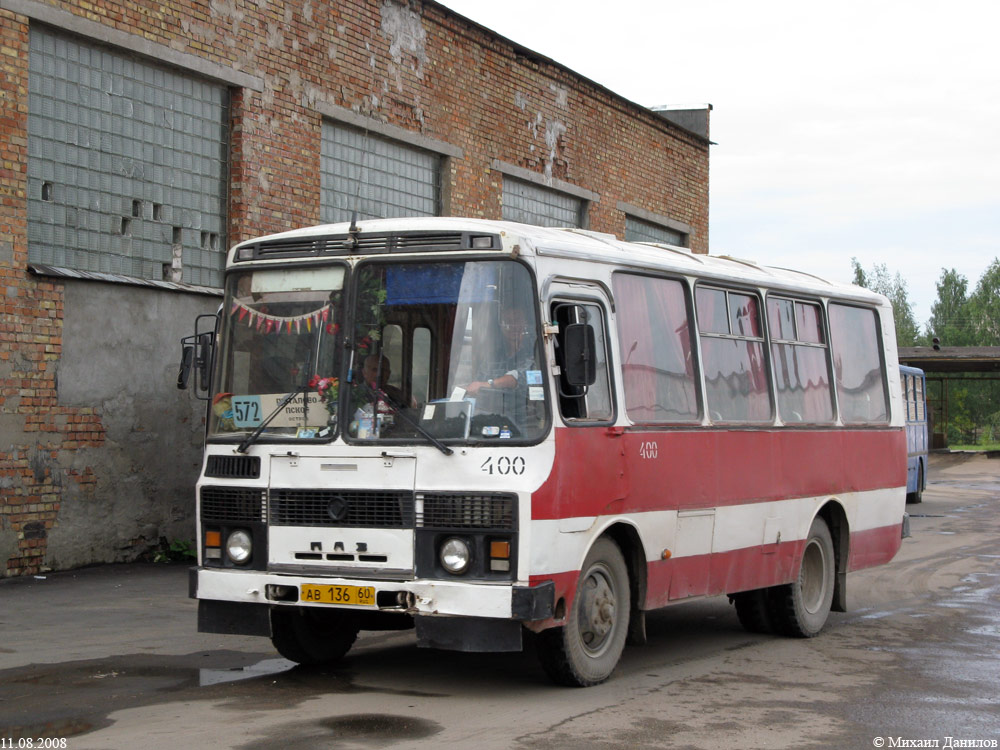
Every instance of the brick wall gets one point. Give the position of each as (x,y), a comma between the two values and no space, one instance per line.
(410,65)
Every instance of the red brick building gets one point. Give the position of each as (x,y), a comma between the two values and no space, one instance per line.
(140,139)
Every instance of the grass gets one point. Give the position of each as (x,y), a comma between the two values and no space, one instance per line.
(980,447)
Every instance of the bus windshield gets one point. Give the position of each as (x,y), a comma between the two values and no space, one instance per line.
(446,349)
(280,328)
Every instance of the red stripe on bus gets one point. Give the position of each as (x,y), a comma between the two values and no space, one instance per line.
(607,471)
(874,546)
(736,570)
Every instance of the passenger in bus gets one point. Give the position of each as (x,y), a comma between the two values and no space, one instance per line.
(377,379)
(518,355)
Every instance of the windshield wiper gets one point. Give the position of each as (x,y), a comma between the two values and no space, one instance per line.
(252,437)
(380,397)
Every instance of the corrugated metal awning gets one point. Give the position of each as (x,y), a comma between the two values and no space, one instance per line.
(39,269)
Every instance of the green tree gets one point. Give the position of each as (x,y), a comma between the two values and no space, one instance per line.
(984,307)
(961,424)
(894,287)
(951,317)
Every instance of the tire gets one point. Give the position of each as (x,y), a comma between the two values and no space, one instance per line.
(800,609)
(312,637)
(586,650)
(753,608)
(912,498)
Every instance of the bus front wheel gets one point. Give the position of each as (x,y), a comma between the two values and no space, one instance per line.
(312,637)
(800,609)
(587,648)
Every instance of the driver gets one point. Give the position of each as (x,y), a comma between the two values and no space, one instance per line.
(518,353)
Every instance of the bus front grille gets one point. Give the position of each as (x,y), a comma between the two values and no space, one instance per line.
(386,509)
(233,504)
(460,510)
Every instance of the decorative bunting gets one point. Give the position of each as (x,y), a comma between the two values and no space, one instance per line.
(267,324)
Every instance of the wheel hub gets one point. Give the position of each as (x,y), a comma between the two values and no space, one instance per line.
(597,611)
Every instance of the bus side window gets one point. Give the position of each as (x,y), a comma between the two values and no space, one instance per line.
(592,403)
(858,365)
(921,415)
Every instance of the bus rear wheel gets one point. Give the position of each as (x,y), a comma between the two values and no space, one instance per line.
(801,608)
(586,650)
(312,637)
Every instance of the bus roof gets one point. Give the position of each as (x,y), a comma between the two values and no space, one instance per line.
(582,244)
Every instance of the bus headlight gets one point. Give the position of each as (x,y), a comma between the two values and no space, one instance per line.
(239,547)
(455,555)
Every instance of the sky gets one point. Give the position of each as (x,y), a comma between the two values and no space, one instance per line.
(866,130)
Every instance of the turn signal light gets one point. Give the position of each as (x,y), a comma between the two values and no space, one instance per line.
(213,545)
(499,556)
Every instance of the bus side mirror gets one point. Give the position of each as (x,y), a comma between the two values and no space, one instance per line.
(187,360)
(579,347)
(197,354)
(203,360)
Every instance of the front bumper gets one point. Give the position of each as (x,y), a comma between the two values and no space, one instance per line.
(419,597)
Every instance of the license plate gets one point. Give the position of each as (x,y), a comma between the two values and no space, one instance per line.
(363,596)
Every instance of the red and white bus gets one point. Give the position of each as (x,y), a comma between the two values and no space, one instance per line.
(476,428)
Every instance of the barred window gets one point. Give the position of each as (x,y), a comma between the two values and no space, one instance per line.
(376,176)
(127,163)
(534,204)
(639,230)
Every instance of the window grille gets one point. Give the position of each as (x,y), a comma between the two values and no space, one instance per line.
(534,204)
(638,230)
(127,164)
(377,176)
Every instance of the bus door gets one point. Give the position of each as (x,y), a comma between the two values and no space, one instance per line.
(590,449)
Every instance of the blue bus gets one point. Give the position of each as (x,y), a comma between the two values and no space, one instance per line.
(914,390)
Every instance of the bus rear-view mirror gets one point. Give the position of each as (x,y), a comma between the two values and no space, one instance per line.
(580,363)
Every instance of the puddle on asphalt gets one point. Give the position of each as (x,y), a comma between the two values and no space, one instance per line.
(346,731)
(264,668)
(74,698)
(59,700)
(380,726)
